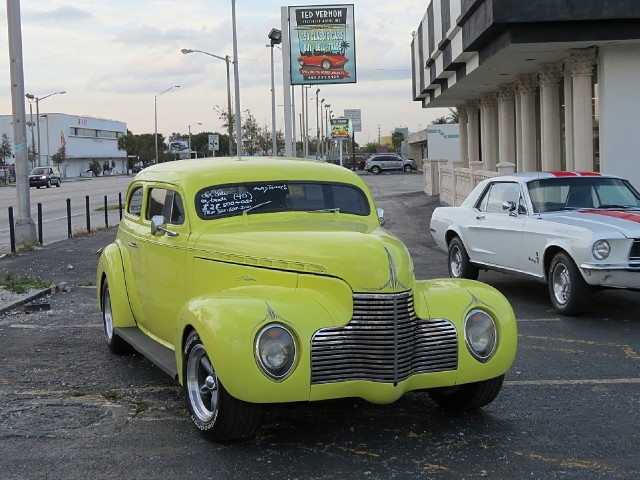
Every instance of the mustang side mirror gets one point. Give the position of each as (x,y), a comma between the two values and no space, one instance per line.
(381,216)
(158,229)
(510,206)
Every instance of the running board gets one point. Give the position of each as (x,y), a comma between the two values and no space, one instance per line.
(158,354)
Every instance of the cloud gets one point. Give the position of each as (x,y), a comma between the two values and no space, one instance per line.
(62,14)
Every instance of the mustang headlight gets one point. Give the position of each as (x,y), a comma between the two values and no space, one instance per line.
(480,334)
(275,351)
(601,249)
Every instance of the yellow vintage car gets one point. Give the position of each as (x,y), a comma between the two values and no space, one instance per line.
(258,280)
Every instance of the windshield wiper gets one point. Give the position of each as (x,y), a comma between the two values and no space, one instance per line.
(614,205)
(325,210)
(244,212)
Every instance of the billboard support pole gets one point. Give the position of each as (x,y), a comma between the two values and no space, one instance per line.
(286,82)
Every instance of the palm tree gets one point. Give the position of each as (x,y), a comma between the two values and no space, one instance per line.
(343,47)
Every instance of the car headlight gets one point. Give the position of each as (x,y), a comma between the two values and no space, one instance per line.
(601,249)
(480,334)
(275,351)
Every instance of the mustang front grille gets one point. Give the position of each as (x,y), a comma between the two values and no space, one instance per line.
(383,342)
(634,254)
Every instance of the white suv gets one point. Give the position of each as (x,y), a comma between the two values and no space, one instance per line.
(388,161)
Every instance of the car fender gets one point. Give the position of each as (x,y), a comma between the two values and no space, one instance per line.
(453,299)
(110,266)
(228,323)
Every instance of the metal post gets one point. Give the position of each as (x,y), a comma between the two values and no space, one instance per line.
(12,231)
(106,212)
(155,118)
(69,233)
(226,59)
(274,146)
(237,81)
(120,204)
(88,212)
(40,223)
(317,123)
(38,129)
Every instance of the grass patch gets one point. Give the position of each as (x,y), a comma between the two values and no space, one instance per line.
(110,395)
(87,284)
(109,207)
(79,393)
(21,284)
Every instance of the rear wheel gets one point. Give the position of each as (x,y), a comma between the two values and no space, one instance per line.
(375,170)
(407,168)
(569,293)
(49,183)
(471,396)
(58,183)
(216,414)
(115,343)
(459,264)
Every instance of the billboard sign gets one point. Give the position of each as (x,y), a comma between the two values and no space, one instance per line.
(322,44)
(340,129)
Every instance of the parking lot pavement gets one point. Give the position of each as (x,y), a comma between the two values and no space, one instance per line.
(570,407)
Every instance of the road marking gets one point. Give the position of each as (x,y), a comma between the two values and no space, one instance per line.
(586,381)
(626,349)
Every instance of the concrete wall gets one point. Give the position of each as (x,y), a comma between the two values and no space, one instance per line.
(619,99)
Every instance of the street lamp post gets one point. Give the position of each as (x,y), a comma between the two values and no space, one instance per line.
(198,123)
(326,121)
(236,77)
(38,100)
(155,113)
(322,149)
(317,122)
(46,117)
(226,59)
(275,37)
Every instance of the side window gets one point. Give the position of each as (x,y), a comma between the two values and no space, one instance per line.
(167,203)
(135,202)
(497,194)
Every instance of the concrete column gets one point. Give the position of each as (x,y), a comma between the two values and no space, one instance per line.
(551,141)
(463,118)
(506,124)
(527,86)
(581,66)
(518,134)
(568,120)
(473,131)
(489,131)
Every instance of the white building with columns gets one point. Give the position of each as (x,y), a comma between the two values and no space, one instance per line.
(542,84)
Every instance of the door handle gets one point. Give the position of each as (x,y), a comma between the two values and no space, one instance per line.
(480,217)
(133,245)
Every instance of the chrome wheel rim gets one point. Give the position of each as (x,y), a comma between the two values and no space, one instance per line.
(202,384)
(108,315)
(455,261)
(561,283)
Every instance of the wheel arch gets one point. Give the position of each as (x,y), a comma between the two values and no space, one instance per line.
(549,253)
(111,270)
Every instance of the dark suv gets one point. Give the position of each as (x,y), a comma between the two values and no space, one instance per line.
(44,177)
(388,161)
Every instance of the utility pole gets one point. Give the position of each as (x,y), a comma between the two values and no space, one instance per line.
(25,228)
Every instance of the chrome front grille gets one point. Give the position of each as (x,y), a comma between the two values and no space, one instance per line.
(383,342)
(634,253)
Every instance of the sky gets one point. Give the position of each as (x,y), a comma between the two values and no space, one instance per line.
(113,57)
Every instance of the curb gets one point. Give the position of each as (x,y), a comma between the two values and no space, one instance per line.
(26,299)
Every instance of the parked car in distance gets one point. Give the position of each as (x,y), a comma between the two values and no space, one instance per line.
(44,177)
(388,161)
(575,231)
(260,280)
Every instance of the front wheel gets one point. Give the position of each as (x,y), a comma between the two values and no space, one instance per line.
(459,264)
(470,396)
(407,168)
(49,183)
(375,170)
(58,183)
(216,414)
(569,293)
(115,343)
(326,65)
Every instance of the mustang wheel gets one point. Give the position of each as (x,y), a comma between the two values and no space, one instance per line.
(459,264)
(115,343)
(219,416)
(375,170)
(570,294)
(326,65)
(467,397)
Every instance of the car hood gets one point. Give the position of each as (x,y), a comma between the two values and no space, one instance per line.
(601,222)
(369,260)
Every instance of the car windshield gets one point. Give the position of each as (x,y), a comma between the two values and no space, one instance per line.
(266,197)
(39,171)
(571,193)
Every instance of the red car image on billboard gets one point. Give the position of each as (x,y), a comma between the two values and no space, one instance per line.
(324,61)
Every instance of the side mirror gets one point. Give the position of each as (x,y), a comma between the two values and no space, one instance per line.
(510,207)
(381,216)
(158,229)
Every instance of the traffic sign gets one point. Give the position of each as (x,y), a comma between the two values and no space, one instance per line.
(214,142)
(354,114)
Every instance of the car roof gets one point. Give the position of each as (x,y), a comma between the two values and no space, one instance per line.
(200,173)
(528,176)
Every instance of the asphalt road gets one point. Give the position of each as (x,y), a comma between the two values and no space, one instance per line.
(569,409)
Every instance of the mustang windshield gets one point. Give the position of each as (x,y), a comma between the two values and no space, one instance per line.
(256,198)
(571,193)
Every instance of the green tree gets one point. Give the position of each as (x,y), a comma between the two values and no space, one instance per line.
(128,143)
(60,156)
(95,167)
(440,120)
(370,147)
(453,116)
(250,134)
(396,140)
(226,119)
(6,151)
